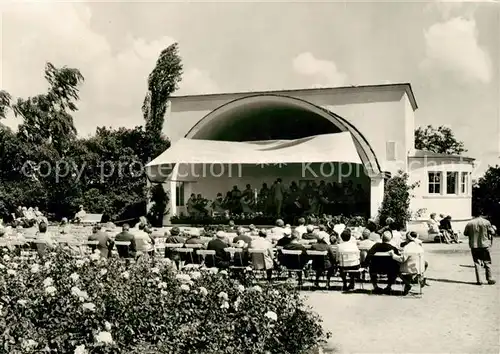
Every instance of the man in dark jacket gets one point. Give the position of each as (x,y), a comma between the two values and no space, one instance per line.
(293,261)
(105,244)
(323,263)
(126,236)
(383,264)
(221,259)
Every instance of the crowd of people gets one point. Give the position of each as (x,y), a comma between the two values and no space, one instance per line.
(349,252)
(442,229)
(279,199)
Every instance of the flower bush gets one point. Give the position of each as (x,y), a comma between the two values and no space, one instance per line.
(64,304)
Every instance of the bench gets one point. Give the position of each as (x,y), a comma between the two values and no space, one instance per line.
(90,219)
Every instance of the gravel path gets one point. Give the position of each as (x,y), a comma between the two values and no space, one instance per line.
(453,316)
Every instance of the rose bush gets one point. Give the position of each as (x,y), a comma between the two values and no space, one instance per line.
(65,304)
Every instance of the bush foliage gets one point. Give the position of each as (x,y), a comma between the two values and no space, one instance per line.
(63,304)
(396,203)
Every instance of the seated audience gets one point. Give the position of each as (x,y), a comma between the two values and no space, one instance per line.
(105,244)
(253,231)
(64,226)
(322,264)
(143,241)
(448,234)
(412,261)
(301,228)
(278,231)
(310,234)
(286,239)
(365,244)
(321,233)
(265,260)
(221,259)
(433,225)
(292,261)
(383,264)
(44,240)
(126,236)
(80,215)
(241,259)
(348,256)
(388,222)
(194,238)
(241,236)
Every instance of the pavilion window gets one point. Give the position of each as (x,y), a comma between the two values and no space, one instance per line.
(464,183)
(435,182)
(452,183)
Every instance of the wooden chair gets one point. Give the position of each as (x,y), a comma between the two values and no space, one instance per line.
(293,261)
(345,257)
(203,254)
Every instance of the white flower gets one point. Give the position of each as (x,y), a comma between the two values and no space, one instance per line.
(237,304)
(241,288)
(22,302)
(14,265)
(89,306)
(2,266)
(223,295)
(81,295)
(107,326)
(195,275)
(74,277)
(223,272)
(126,275)
(29,343)
(47,265)
(35,268)
(185,287)
(104,337)
(79,263)
(271,315)
(5,250)
(225,305)
(95,256)
(163,293)
(48,282)
(81,350)
(276,292)
(50,290)
(257,288)
(104,271)
(155,270)
(162,285)
(11,272)
(184,278)
(203,291)
(190,283)
(6,258)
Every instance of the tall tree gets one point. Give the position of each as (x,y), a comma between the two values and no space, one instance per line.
(47,117)
(440,140)
(4,103)
(162,82)
(486,195)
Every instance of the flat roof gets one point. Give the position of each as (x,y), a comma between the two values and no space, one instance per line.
(395,86)
(429,154)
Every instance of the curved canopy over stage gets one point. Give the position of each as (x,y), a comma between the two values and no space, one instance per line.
(338,147)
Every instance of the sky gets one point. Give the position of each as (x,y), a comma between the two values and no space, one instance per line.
(448,51)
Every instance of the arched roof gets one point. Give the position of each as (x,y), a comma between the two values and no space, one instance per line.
(226,117)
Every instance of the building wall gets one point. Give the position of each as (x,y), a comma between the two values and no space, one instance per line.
(381,116)
(210,180)
(458,205)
